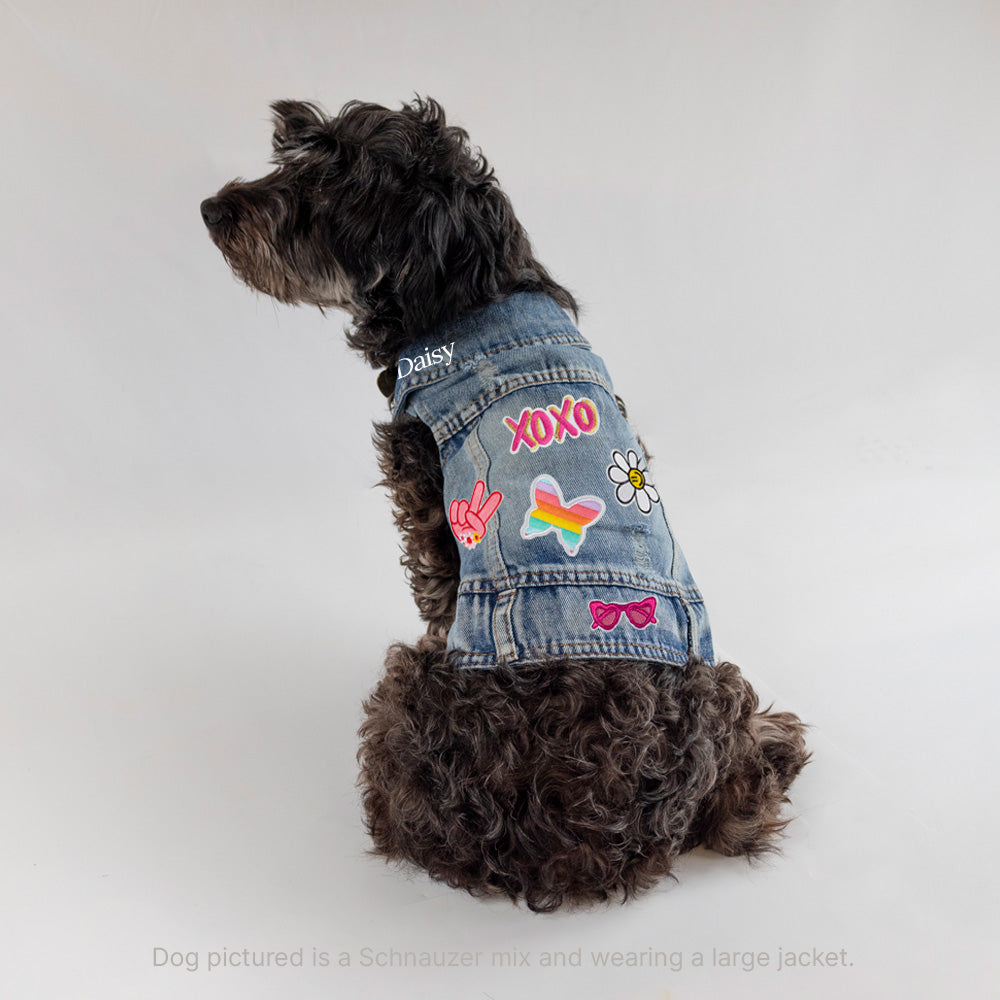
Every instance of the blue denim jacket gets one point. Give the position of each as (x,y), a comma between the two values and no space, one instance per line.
(565,547)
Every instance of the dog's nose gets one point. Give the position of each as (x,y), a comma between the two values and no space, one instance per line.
(211,212)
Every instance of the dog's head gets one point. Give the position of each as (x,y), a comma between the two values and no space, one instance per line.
(389,215)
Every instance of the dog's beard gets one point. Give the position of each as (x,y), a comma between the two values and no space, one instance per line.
(263,266)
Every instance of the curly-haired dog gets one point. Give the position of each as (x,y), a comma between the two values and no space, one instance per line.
(561,732)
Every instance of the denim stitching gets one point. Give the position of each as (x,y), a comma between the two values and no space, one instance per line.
(661,654)
(580,578)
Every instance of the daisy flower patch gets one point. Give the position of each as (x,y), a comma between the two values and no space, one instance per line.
(628,473)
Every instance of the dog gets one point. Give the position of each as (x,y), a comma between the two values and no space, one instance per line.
(562,733)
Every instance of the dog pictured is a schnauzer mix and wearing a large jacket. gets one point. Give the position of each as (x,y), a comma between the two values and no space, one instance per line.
(561,733)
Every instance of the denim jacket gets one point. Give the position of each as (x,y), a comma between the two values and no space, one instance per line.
(565,547)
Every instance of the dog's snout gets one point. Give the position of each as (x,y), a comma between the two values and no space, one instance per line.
(211,212)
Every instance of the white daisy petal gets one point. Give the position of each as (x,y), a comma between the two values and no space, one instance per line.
(625,492)
(651,492)
(633,459)
(642,501)
(617,475)
(619,460)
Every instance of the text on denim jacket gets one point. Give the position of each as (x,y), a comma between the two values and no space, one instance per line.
(426,360)
(539,428)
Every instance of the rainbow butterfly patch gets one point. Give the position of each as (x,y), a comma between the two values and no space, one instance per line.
(551,513)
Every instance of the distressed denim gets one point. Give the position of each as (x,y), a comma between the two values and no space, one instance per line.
(565,547)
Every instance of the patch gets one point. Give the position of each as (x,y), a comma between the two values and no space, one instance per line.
(551,513)
(639,613)
(539,428)
(468,518)
(628,473)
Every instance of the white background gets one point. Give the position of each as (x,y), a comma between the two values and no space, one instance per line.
(782,221)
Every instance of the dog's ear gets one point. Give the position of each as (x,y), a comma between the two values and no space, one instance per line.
(299,127)
(459,245)
(460,235)
(435,231)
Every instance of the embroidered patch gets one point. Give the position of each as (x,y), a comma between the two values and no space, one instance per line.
(468,517)
(629,473)
(639,613)
(551,513)
(539,428)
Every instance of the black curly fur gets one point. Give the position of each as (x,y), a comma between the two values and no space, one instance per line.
(411,470)
(572,781)
(564,782)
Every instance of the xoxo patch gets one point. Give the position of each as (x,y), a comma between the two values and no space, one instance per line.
(538,428)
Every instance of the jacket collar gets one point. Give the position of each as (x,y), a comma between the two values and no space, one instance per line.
(520,319)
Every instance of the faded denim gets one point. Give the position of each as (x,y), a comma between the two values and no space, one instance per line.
(524,596)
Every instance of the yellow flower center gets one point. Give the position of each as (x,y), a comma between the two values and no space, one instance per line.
(636,478)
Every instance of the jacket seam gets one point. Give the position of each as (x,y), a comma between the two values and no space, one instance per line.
(517,581)
(662,652)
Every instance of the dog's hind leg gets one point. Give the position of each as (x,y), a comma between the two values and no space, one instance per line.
(567,782)
(411,469)
(759,754)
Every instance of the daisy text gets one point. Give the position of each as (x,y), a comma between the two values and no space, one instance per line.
(426,360)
